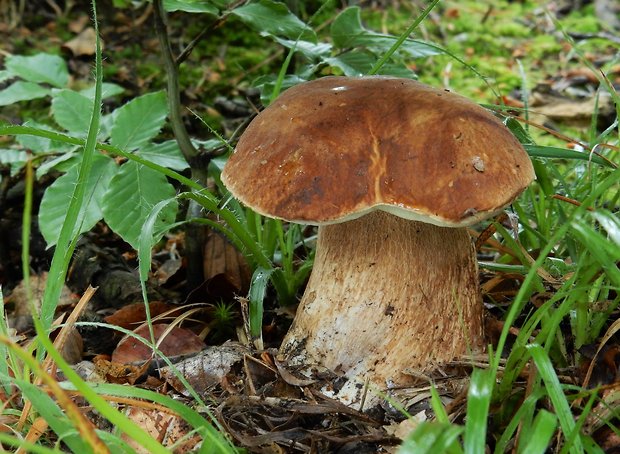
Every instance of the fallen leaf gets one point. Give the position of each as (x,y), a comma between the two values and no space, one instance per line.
(177,342)
(207,369)
(85,43)
(132,315)
(166,428)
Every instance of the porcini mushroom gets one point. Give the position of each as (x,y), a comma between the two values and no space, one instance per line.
(392,171)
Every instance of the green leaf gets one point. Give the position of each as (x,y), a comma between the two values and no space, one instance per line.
(348,32)
(275,19)
(132,194)
(42,68)
(539,436)
(539,151)
(309,50)
(22,91)
(71,111)
(5,75)
(358,63)
(139,121)
(165,154)
(14,158)
(610,222)
(478,402)
(148,237)
(107,90)
(432,437)
(258,290)
(55,417)
(38,144)
(519,132)
(190,6)
(56,199)
(555,393)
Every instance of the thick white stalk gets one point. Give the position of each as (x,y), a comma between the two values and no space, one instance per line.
(387,294)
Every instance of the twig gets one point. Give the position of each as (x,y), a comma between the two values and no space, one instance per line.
(174,99)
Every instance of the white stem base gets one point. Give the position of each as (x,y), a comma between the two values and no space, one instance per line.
(386,295)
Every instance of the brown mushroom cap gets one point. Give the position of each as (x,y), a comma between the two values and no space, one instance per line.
(335,148)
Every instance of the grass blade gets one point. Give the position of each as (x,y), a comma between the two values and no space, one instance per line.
(555,393)
(543,428)
(478,401)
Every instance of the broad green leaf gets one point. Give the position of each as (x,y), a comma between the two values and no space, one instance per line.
(42,68)
(309,50)
(358,63)
(22,91)
(39,145)
(60,163)
(57,196)
(166,154)
(267,84)
(132,194)
(139,121)
(275,19)
(5,75)
(15,159)
(72,111)
(107,90)
(190,6)
(348,32)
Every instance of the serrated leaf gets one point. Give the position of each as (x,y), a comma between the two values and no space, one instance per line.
(107,90)
(132,194)
(5,75)
(275,19)
(56,199)
(348,32)
(42,68)
(309,50)
(266,85)
(166,154)
(15,159)
(190,6)
(38,144)
(357,63)
(60,163)
(139,121)
(22,91)
(72,111)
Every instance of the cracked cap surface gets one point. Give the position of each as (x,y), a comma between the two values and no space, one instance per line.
(336,148)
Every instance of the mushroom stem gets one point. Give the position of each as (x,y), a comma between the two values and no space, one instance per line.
(387,294)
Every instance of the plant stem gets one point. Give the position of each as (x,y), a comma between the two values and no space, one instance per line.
(174,100)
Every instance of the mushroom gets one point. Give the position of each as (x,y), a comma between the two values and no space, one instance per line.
(392,171)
